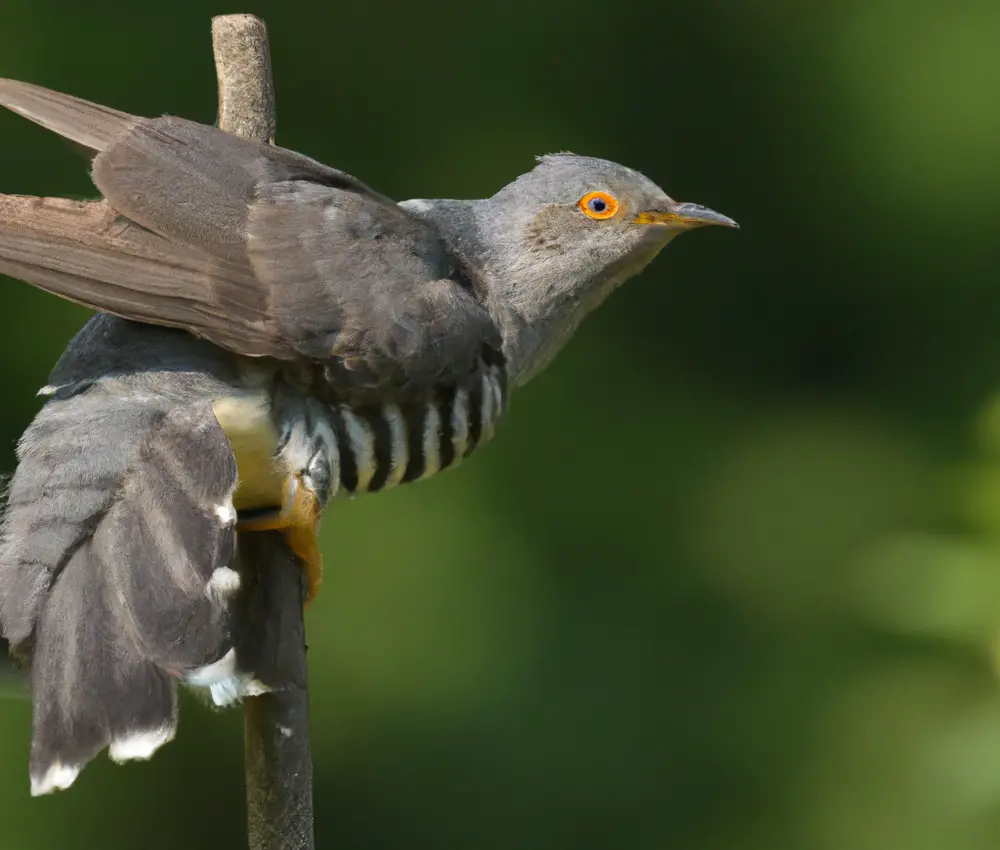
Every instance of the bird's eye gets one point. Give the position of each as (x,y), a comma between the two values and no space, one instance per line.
(598,205)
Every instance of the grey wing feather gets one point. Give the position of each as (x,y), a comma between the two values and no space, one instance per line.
(84,122)
(258,249)
(400,322)
(194,184)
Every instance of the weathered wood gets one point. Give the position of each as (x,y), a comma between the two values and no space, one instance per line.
(276,724)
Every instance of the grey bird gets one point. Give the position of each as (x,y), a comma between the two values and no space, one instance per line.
(272,333)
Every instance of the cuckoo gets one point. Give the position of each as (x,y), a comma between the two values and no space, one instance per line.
(271,333)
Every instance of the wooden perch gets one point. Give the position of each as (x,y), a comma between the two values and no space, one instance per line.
(277,751)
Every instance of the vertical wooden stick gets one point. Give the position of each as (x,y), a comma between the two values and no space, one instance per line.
(243,68)
(276,724)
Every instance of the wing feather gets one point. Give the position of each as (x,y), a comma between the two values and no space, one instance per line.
(86,253)
(255,248)
(89,124)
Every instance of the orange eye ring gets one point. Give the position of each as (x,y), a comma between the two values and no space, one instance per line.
(598,205)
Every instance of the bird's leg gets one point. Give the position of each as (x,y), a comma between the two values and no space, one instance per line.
(298,519)
(307,452)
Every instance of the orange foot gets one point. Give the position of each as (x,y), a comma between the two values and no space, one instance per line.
(298,518)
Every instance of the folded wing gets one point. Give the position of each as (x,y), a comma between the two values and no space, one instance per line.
(258,249)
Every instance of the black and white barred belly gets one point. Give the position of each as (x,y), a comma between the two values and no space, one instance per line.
(365,449)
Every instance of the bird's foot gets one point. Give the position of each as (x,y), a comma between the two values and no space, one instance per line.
(307,451)
(298,520)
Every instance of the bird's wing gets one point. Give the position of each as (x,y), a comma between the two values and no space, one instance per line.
(256,248)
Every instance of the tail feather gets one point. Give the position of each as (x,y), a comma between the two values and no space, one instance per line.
(115,566)
(60,492)
(89,124)
(91,686)
(85,252)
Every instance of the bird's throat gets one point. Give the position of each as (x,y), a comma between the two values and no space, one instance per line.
(541,316)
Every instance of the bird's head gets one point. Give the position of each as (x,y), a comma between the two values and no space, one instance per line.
(557,241)
(563,237)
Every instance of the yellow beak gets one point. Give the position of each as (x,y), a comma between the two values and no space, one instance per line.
(685,216)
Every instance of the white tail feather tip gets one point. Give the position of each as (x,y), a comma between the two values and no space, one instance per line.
(140,746)
(57,778)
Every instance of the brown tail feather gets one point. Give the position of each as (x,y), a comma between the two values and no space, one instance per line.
(84,122)
(86,253)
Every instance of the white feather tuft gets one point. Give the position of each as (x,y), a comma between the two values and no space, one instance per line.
(224,682)
(226,513)
(224,582)
(57,778)
(141,745)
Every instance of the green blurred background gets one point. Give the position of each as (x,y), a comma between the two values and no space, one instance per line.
(730,576)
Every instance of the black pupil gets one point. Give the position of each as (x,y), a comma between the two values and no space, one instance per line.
(597,205)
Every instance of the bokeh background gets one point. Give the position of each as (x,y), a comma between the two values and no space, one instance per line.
(730,576)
